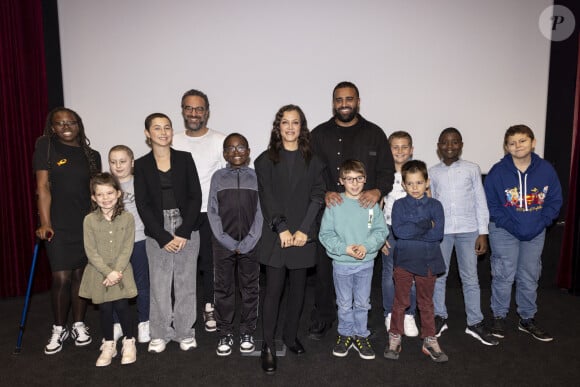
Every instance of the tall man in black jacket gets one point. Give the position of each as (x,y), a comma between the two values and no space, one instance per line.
(347,135)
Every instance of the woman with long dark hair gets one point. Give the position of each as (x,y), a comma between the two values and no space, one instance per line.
(291,189)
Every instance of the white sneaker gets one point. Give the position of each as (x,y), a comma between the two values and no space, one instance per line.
(209,319)
(108,352)
(80,333)
(157,345)
(143,335)
(58,336)
(129,351)
(117,332)
(410,326)
(188,343)
(388,322)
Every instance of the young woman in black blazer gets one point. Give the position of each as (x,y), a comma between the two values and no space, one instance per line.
(291,189)
(168,197)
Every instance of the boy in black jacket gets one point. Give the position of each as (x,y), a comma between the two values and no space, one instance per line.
(236,220)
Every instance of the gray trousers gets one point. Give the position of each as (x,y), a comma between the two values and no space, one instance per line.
(178,269)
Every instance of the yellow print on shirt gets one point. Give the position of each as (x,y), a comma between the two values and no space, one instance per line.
(61,162)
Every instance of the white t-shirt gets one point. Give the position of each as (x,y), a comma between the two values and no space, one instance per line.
(207,152)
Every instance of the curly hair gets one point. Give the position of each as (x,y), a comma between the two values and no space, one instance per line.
(275,144)
(84,142)
(106,178)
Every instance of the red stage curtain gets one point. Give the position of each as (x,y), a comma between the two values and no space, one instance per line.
(569,264)
(23,104)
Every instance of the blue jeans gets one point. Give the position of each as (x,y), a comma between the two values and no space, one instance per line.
(388,284)
(519,261)
(352,284)
(467,264)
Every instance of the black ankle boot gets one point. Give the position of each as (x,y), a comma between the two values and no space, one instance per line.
(268,360)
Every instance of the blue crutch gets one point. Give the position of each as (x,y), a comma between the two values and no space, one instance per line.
(26,300)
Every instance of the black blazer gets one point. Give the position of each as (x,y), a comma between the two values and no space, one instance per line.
(290,197)
(148,195)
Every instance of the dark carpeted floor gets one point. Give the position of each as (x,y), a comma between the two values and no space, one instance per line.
(518,360)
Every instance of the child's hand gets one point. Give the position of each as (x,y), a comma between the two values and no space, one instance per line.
(361,250)
(356,251)
(481,244)
(175,245)
(385,248)
(113,278)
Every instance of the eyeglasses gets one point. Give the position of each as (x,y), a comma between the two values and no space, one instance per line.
(350,180)
(62,124)
(189,109)
(239,148)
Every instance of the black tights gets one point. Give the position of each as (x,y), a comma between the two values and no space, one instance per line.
(121,307)
(64,292)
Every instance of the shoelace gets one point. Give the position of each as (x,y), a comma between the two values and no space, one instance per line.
(55,336)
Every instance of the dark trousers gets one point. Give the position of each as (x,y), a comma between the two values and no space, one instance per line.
(205,260)
(275,281)
(225,263)
(324,298)
(121,309)
(425,287)
(140,266)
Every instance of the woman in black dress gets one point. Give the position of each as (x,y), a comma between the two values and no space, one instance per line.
(64,163)
(291,189)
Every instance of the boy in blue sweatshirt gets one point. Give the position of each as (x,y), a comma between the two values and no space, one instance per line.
(524,197)
(235,218)
(352,236)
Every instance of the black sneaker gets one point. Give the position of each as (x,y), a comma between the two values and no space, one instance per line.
(498,327)
(342,346)
(440,325)
(529,326)
(364,348)
(224,347)
(481,333)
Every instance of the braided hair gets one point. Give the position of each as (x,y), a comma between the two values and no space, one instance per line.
(84,142)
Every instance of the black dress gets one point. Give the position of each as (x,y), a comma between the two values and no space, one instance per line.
(69,177)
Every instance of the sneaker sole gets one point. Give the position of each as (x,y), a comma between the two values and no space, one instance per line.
(223,354)
(363,356)
(247,350)
(478,337)
(341,354)
(83,343)
(545,340)
(443,329)
(210,329)
(47,352)
(498,335)
(435,359)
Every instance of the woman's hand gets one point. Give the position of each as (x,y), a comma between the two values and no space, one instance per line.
(286,239)
(299,239)
(45,233)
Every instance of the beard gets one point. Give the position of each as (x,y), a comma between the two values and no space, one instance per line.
(347,116)
(194,126)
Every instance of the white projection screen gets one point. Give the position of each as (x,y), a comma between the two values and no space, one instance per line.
(420,66)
